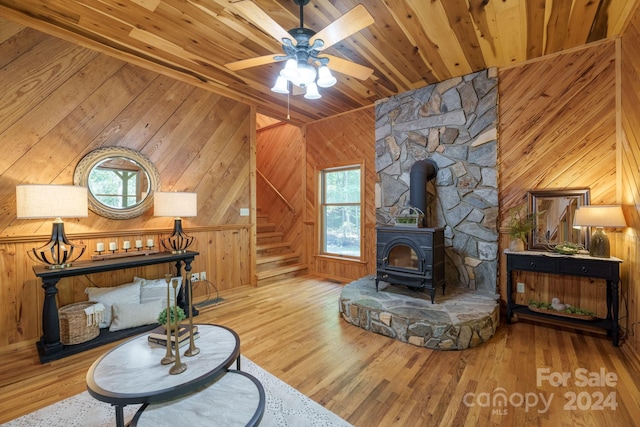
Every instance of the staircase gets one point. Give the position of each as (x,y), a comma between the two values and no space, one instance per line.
(275,260)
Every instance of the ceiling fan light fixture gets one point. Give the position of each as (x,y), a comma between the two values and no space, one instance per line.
(312,92)
(290,70)
(302,46)
(281,85)
(306,74)
(325,78)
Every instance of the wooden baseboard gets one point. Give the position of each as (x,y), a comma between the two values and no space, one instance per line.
(632,356)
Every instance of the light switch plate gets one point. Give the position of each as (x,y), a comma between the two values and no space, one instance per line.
(244,211)
(520,288)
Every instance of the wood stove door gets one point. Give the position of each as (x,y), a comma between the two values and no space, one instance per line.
(403,255)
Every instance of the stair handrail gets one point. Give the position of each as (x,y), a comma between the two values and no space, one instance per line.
(284,200)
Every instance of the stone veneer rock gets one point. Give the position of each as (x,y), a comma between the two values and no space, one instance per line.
(460,319)
(453,123)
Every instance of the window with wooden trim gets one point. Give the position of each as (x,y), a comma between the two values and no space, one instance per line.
(341,211)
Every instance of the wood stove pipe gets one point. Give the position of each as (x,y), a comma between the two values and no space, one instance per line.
(422,171)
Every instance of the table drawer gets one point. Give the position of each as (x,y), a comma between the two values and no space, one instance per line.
(591,269)
(533,263)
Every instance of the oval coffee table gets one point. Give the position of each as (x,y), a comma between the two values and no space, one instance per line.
(131,373)
(234,400)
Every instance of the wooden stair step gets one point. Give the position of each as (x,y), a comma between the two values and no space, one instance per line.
(265,263)
(278,257)
(272,275)
(266,249)
(269,237)
(266,227)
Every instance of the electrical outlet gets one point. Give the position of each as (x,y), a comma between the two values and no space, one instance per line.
(520,288)
(244,211)
(195,277)
(203,275)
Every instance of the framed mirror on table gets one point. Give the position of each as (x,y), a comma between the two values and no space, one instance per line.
(554,211)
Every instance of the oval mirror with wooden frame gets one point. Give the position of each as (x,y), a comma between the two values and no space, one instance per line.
(121,181)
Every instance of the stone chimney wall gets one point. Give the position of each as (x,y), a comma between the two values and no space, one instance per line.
(453,123)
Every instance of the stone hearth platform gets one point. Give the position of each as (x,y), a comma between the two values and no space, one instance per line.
(460,319)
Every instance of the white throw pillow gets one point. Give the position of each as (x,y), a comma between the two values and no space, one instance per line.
(127,316)
(128,293)
(156,289)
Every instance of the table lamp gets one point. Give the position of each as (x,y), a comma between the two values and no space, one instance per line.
(53,201)
(177,205)
(599,216)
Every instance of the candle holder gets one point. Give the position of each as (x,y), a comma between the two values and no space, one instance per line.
(179,367)
(193,350)
(168,358)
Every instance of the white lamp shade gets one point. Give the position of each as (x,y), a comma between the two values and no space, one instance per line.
(290,70)
(281,85)
(51,201)
(312,92)
(306,74)
(325,78)
(599,216)
(175,204)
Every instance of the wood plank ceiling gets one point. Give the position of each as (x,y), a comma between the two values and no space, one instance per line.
(413,43)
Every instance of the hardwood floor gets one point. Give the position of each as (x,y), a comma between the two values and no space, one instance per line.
(293,330)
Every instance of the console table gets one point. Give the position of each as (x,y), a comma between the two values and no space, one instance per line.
(570,265)
(49,347)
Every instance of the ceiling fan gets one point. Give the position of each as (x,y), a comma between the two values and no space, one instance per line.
(303,48)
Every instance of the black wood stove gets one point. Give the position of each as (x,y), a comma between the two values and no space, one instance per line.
(413,257)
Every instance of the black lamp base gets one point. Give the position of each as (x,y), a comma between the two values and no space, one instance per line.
(599,245)
(58,252)
(178,242)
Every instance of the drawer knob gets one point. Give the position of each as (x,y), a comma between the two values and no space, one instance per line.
(533,264)
(585,269)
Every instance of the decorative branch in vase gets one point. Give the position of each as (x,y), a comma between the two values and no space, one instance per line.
(521,223)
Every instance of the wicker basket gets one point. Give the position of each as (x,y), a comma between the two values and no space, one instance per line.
(73,324)
(412,219)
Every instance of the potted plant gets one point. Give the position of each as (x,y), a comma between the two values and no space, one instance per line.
(521,223)
(162,317)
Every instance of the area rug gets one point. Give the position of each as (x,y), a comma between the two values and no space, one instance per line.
(284,406)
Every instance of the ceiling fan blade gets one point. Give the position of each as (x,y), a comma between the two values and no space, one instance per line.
(256,15)
(349,68)
(350,23)
(251,62)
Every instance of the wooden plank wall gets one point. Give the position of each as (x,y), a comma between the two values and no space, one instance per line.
(280,153)
(630,174)
(60,101)
(557,119)
(341,140)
